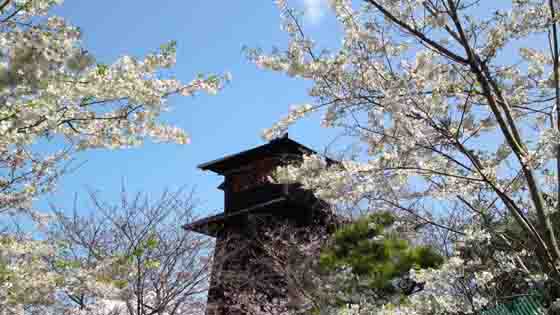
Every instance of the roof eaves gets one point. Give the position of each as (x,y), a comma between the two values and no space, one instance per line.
(194,226)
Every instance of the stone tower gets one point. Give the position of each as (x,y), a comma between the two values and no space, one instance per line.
(252,204)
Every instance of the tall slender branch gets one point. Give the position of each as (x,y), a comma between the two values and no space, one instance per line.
(557,93)
(511,134)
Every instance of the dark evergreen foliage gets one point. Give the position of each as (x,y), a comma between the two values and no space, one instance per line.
(377,256)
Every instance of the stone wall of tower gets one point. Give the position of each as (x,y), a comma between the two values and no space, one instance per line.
(245,279)
(239,270)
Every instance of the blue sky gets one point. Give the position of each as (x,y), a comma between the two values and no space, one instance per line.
(210,36)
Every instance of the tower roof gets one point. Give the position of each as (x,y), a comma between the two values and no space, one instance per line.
(270,198)
(279,147)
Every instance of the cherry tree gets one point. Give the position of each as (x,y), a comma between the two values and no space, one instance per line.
(456,106)
(156,267)
(57,100)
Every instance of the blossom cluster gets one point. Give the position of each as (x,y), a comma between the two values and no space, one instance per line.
(52,88)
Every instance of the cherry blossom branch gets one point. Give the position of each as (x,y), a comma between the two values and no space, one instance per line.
(419,34)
